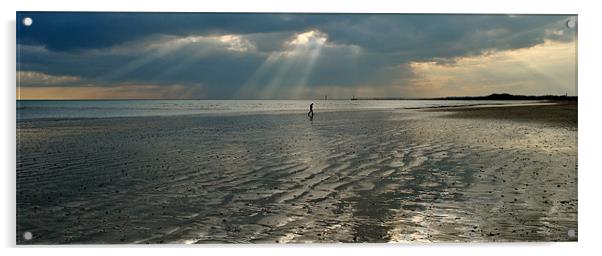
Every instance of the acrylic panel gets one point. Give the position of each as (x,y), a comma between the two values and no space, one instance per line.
(295,128)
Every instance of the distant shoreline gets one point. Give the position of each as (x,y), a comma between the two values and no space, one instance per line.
(495,96)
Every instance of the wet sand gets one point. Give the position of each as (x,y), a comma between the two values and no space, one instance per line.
(461,175)
(555,113)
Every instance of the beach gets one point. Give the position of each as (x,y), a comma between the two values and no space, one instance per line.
(554,113)
(457,174)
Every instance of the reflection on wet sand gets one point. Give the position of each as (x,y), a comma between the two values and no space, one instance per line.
(363,176)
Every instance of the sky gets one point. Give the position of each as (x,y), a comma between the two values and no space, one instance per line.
(292,56)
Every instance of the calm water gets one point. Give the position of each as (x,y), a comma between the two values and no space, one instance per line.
(57,109)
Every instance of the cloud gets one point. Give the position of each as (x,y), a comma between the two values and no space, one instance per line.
(68,31)
(549,68)
(112,92)
(37,79)
(282,55)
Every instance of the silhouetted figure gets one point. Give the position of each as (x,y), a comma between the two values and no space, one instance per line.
(311,111)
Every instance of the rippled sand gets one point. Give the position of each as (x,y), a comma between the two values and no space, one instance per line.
(363,176)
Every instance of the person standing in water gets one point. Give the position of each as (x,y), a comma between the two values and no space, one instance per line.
(311,110)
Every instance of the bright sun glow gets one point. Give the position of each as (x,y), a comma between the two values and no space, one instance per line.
(545,67)
(312,37)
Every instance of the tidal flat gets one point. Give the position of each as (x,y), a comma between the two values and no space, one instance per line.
(478,174)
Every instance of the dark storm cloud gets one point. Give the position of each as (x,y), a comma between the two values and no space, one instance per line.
(70,31)
(417,35)
(118,48)
(64,31)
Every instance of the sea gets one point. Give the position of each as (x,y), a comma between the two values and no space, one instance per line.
(76,109)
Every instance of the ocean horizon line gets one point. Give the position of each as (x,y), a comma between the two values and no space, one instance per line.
(482,97)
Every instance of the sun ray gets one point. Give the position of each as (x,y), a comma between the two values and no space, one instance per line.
(290,68)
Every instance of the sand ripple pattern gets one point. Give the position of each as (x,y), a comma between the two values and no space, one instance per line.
(369,176)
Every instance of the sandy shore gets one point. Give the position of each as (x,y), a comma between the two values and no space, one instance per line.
(473,174)
(555,113)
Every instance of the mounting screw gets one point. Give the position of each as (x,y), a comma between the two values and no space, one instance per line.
(27,235)
(27,21)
